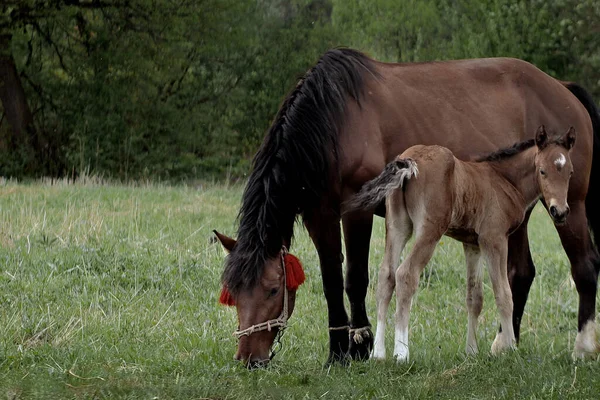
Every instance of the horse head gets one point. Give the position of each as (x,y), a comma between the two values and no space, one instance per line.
(263,308)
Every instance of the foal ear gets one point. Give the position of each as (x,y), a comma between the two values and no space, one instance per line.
(541,137)
(568,139)
(227,242)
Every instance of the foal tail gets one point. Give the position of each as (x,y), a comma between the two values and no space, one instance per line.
(593,195)
(374,191)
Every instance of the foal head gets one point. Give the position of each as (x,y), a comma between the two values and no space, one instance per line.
(554,169)
(263,309)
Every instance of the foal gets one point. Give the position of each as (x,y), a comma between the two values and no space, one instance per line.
(478,203)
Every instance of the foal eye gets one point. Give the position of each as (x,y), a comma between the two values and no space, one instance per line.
(542,172)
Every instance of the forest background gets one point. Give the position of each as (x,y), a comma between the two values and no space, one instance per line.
(183,90)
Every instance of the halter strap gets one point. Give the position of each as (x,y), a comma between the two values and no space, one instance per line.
(281,320)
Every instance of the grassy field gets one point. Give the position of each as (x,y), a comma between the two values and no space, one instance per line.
(111,291)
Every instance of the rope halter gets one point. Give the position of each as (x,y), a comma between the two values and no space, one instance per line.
(279,322)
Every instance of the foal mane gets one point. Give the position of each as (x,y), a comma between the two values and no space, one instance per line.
(507,152)
(293,166)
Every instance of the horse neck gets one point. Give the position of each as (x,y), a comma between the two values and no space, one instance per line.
(520,171)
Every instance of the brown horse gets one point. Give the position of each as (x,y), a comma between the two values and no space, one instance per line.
(345,120)
(477,203)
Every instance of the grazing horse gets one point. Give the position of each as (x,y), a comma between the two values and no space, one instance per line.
(351,115)
(477,203)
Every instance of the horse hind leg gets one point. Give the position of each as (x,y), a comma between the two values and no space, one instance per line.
(398,228)
(521,272)
(407,281)
(474,294)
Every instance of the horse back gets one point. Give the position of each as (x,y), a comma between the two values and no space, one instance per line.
(472,107)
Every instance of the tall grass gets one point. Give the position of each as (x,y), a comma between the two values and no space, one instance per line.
(111,291)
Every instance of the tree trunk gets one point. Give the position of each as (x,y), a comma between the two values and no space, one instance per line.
(12,95)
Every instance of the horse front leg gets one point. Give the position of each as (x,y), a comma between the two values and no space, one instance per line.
(585,263)
(357,235)
(521,272)
(324,230)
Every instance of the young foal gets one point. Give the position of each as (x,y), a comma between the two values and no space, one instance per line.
(478,203)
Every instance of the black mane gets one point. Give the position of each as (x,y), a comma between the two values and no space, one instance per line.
(291,169)
(507,152)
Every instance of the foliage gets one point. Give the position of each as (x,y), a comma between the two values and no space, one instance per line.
(178,89)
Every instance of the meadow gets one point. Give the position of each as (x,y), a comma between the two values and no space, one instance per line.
(110,291)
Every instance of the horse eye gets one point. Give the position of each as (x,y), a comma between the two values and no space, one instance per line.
(542,172)
(273,292)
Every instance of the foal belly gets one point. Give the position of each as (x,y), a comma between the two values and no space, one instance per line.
(463,235)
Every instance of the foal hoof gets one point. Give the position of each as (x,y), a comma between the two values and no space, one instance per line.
(586,345)
(502,344)
(378,353)
(361,343)
(471,351)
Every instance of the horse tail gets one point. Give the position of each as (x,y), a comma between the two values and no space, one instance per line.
(593,196)
(373,192)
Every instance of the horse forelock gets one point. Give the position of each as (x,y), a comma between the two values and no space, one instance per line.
(291,170)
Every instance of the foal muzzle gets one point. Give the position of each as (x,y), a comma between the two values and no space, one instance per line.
(559,216)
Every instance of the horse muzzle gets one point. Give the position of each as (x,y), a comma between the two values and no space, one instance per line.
(254,350)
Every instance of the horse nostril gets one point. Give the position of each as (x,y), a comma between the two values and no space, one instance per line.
(567,211)
(553,211)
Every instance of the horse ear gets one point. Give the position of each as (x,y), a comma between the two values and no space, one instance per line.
(541,137)
(568,138)
(227,242)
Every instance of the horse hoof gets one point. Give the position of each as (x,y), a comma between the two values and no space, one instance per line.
(361,344)
(338,347)
(342,359)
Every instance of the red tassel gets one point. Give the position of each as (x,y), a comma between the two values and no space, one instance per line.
(226,298)
(293,269)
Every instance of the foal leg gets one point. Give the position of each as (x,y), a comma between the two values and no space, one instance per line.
(324,230)
(585,262)
(357,235)
(474,294)
(407,281)
(398,229)
(495,250)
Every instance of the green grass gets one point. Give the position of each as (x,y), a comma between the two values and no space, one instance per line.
(111,291)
